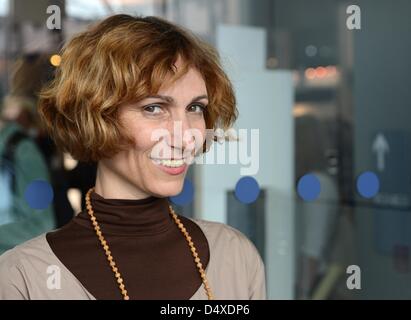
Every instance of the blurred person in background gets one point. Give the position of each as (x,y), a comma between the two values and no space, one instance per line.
(319,217)
(29,74)
(21,163)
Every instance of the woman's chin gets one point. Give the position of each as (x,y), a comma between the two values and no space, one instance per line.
(168,189)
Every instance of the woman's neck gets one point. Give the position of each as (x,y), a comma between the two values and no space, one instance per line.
(110,185)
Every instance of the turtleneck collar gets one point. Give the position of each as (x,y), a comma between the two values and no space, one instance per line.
(142,217)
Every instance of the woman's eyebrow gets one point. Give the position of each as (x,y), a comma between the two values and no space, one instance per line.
(171,99)
(203,96)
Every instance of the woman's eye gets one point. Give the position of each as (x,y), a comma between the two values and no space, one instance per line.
(197,108)
(153,109)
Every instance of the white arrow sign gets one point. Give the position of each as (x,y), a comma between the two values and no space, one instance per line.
(380,147)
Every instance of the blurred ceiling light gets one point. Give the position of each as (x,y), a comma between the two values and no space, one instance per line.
(55,60)
(310,73)
(320,72)
(321,76)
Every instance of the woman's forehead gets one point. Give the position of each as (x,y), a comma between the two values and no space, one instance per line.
(190,81)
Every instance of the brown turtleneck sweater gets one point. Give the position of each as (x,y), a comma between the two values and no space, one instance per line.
(149,249)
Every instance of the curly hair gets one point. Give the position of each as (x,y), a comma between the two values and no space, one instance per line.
(119,60)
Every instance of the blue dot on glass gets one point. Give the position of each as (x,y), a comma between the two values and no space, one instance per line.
(247,190)
(368,184)
(185,196)
(309,187)
(39,194)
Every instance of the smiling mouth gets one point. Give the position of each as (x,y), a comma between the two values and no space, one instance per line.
(171,163)
(172,167)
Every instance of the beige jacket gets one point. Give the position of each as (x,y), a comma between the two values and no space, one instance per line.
(235,270)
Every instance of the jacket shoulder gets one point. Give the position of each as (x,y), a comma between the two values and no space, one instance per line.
(224,237)
(19,264)
(237,257)
(36,248)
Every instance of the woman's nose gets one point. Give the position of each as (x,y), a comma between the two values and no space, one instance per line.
(181,132)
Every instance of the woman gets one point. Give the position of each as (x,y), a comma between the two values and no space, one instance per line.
(120,92)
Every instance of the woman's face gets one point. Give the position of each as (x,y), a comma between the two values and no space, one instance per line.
(168,128)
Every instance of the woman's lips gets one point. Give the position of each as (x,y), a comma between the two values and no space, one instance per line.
(173,167)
